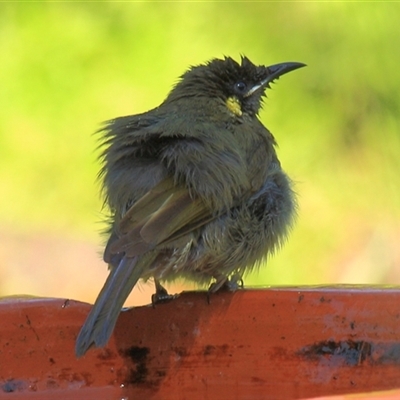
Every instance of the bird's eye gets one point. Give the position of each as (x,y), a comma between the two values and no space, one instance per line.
(240,87)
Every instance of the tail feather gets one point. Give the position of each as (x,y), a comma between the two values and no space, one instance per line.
(102,318)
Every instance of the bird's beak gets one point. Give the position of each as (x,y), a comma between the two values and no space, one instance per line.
(274,72)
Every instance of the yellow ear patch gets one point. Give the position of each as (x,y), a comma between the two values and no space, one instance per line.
(233,105)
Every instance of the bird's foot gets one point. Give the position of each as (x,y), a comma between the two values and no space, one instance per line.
(225,284)
(161,295)
(233,283)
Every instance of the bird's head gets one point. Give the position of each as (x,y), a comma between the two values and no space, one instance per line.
(240,86)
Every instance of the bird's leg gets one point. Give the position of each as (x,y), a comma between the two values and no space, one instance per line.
(161,295)
(235,282)
(222,282)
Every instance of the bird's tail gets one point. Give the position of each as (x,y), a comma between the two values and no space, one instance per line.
(103,316)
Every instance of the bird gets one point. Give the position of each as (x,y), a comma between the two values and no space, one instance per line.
(194,187)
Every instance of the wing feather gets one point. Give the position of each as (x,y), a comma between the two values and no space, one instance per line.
(164,214)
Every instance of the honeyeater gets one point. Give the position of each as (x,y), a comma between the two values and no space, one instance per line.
(194,187)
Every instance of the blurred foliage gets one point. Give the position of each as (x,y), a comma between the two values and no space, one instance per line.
(68,66)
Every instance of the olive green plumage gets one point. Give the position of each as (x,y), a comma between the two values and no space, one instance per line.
(194,186)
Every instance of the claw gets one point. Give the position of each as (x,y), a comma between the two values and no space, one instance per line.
(223,283)
(161,295)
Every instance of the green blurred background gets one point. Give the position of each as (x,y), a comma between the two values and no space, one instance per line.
(66,67)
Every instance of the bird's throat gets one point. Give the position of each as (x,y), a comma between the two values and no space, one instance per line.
(234,105)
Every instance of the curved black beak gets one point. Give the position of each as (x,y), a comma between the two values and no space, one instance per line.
(274,72)
(277,70)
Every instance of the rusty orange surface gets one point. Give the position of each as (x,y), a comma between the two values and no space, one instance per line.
(278,343)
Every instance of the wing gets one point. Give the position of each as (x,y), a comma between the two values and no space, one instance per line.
(163,215)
